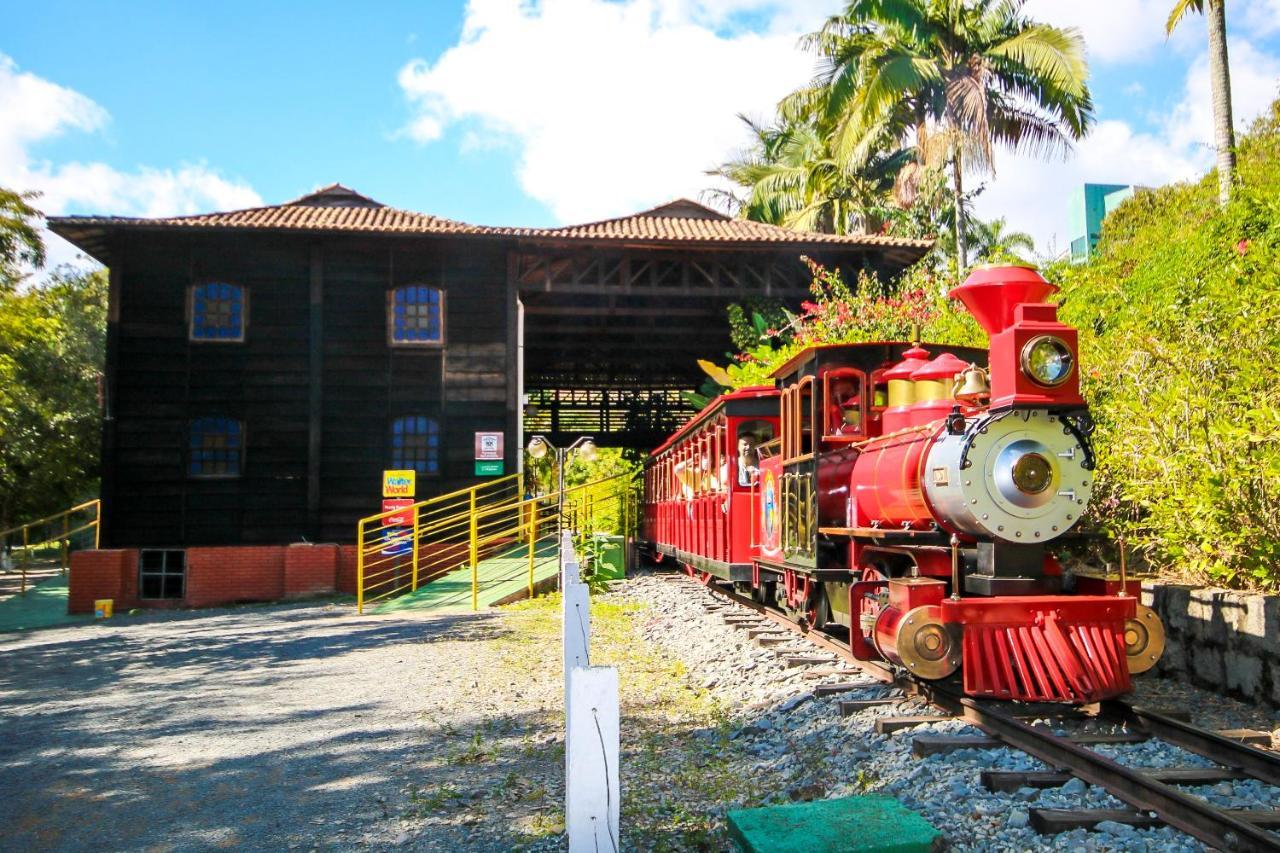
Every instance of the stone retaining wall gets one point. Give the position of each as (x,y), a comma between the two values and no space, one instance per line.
(1225,641)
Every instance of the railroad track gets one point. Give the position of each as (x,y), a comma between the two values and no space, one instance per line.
(1151,792)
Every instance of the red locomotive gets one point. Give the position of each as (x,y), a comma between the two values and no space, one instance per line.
(909,493)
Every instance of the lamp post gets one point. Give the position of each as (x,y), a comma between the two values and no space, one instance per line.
(539,447)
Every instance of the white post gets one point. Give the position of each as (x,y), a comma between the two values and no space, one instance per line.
(576,628)
(591,760)
(570,571)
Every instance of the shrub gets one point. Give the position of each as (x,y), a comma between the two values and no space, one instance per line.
(1180,334)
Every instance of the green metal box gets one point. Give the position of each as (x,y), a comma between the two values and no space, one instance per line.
(612,561)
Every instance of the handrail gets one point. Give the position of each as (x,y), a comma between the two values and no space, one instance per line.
(468,526)
(61,537)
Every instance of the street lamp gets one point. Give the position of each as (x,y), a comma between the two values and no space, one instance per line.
(539,447)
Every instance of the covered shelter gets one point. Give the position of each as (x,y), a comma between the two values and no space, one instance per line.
(265,366)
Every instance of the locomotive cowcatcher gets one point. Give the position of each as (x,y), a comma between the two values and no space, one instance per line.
(909,493)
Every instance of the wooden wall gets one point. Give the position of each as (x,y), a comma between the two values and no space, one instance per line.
(314,382)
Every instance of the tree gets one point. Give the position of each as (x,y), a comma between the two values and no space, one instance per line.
(20,243)
(793,180)
(992,241)
(1220,85)
(959,78)
(52,338)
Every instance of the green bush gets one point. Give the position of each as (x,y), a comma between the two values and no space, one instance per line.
(1180,334)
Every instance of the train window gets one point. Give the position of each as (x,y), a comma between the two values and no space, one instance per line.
(844,404)
(218,311)
(415,316)
(804,405)
(750,436)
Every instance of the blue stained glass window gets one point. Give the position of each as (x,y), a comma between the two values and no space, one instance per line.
(415,443)
(416,315)
(217,312)
(216,447)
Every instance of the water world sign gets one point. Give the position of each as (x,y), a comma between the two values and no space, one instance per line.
(399,484)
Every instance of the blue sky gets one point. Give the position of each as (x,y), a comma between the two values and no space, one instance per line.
(510,112)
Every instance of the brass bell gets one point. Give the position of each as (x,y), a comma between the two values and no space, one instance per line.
(972,385)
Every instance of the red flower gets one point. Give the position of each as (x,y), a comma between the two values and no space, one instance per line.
(1242,247)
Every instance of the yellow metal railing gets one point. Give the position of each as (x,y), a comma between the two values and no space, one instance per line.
(400,550)
(53,530)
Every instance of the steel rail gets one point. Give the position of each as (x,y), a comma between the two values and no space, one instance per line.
(1261,765)
(1192,815)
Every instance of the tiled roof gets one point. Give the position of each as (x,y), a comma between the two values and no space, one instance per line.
(336,208)
(683,220)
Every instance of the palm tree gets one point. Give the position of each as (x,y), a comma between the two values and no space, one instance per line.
(958,77)
(793,180)
(1219,81)
(992,241)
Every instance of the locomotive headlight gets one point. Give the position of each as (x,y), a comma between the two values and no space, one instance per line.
(1047,360)
(1032,473)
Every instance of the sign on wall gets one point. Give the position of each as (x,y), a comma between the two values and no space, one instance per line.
(489,446)
(399,484)
(488,468)
(403,519)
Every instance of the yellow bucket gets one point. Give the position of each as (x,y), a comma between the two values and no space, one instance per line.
(102,608)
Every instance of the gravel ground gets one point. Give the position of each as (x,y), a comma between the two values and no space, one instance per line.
(307,727)
(824,755)
(272,728)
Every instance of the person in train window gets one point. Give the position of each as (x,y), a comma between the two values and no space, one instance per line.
(844,408)
(748,460)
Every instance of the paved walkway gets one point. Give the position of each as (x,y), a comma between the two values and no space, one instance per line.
(257,728)
(42,606)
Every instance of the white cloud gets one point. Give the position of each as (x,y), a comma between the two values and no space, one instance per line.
(1032,194)
(614,106)
(35,110)
(1115,31)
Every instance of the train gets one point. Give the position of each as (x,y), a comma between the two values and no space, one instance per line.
(912,496)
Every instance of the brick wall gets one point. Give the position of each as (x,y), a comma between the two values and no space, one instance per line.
(310,570)
(232,574)
(101,574)
(227,575)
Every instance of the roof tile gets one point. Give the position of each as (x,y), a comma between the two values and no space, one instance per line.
(338,208)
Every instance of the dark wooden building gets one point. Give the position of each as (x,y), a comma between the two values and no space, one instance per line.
(264,366)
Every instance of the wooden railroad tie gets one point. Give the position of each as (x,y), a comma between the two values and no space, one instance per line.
(834,687)
(1053,821)
(767,640)
(1007,781)
(849,707)
(742,619)
(766,631)
(837,672)
(889,725)
(805,659)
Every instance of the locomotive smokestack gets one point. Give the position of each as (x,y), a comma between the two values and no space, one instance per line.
(992,292)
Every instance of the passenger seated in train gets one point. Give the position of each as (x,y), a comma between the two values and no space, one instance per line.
(844,407)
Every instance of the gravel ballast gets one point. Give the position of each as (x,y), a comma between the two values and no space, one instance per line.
(824,754)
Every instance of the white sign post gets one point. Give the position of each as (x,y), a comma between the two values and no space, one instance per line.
(592,801)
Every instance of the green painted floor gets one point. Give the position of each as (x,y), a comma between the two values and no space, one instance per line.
(499,577)
(43,606)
